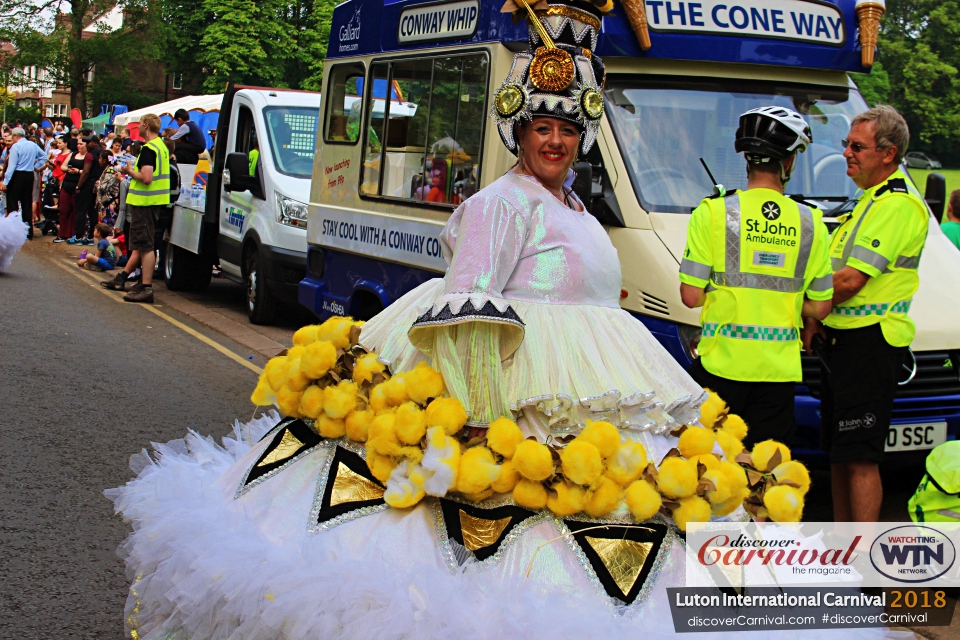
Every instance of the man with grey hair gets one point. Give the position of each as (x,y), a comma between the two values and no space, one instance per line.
(18,177)
(875,253)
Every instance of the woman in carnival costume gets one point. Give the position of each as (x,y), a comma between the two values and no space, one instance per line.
(13,235)
(504,452)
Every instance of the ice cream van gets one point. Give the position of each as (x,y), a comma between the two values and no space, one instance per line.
(405,136)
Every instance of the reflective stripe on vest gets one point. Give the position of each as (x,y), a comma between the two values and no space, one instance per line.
(874,259)
(733,277)
(695,269)
(751,332)
(873,309)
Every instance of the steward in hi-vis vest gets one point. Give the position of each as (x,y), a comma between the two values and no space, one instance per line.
(756,261)
(876,256)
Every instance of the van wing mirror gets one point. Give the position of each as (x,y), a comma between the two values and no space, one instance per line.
(936,194)
(583,183)
(238,164)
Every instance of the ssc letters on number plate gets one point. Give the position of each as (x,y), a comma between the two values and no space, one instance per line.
(916,437)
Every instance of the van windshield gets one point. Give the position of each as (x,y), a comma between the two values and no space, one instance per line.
(664,126)
(292,132)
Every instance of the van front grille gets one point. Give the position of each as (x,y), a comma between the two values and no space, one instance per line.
(938,374)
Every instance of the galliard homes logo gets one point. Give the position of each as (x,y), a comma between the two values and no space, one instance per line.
(912,553)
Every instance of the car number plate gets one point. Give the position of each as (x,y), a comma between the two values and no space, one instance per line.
(916,437)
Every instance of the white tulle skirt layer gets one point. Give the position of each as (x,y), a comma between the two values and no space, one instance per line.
(13,234)
(579,351)
(204,564)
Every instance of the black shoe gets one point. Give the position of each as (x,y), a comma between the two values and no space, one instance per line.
(116,283)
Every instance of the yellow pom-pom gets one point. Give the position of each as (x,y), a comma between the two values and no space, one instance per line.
(677,478)
(447,413)
(337,331)
(785,504)
(730,445)
(382,436)
(722,489)
(581,462)
(378,398)
(477,470)
(503,436)
(479,496)
(604,499)
(411,423)
(627,463)
(423,382)
(442,458)
(529,494)
(396,390)
(643,500)
(305,335)
(296,379)
(696,441)
(735,426)
(405,486)
(763,454)
(508,478)
(317,359)
(358,423)
(691,509)
(735,474)
(413,454)
(366,367)
(380,466)
(566,499)
(533,461)
(711,410)
(329,427)
(603,435)
(735,500)
(795,472)
(263,395)
(288,401)
(340,400)
(276,372)
(708,460)
(311,402)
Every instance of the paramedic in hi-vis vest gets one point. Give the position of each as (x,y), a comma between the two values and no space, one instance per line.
(875,254)
(757,261)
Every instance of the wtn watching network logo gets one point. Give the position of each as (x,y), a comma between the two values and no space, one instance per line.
(912,554)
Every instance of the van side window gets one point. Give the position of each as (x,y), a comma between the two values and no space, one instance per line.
(344,103)
(423,143)
(247,141)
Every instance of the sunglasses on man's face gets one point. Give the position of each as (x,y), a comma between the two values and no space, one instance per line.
(856,146)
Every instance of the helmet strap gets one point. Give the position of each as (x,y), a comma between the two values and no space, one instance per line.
(787,165)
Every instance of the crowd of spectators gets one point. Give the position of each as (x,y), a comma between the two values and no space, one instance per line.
(72,184)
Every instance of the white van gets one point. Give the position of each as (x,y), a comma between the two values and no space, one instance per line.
(254,220)
(406,136)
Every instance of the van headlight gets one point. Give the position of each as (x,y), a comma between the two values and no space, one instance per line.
(291,212)
(690,337)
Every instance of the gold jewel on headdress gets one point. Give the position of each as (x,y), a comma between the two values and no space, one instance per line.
(591,103)
(552,68)
(510,100)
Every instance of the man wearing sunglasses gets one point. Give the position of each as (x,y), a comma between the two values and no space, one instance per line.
(875,254)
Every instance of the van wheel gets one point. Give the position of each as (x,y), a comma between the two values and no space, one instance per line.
(261,305)
(176,267)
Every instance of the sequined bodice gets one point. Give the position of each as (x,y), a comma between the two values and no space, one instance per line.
(516,240)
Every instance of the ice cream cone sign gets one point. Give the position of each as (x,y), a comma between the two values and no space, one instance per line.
(869,13)
(637,15)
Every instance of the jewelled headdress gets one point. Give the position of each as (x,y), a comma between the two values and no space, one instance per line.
(558,76)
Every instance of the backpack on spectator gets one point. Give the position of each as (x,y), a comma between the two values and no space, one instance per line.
(937,499)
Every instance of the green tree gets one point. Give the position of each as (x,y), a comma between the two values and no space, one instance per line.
(918,74)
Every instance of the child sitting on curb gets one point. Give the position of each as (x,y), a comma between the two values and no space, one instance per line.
(105,257)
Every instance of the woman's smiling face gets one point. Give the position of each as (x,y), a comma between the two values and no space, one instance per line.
(549,148)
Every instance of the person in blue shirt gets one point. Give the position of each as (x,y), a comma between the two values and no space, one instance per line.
(18,177)
(105,257)
(189,138)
